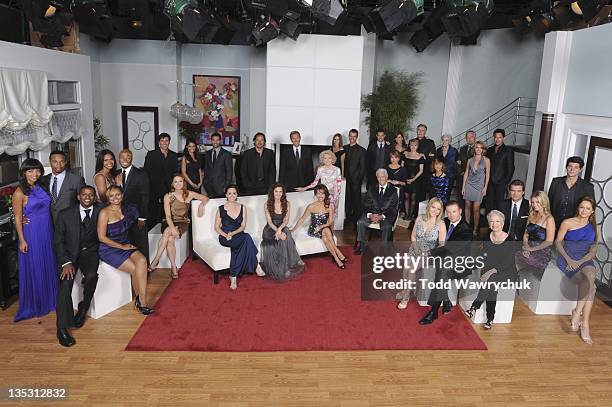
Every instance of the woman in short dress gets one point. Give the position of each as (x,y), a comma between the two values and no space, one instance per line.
(279,257)
(339,152)
(414,162)
(321,214)
(475,181)
(114,222)
(396,174)
(191,167)
(176,208)
(230,222)
(38,275)
(329,175)
(440,181)
(539,235)
(577,246)
(106,170)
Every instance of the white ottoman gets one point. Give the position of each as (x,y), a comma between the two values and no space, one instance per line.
(114,290)
(182,248)
(553,294)
(503,308)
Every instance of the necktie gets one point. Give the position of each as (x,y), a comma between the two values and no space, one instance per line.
(123,177)
(297,155)
(450,231)
(513,218)
(214,157)
(87,218)
(380,193)
(54,189)
(380,146)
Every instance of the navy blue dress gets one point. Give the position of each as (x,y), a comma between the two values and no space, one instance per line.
(244,252)
(441,188)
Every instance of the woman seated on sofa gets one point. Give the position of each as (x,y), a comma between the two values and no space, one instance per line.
(321,218)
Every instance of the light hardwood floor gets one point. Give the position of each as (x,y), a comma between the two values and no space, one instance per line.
(533,361)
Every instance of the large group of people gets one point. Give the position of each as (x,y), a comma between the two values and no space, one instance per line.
(65,225)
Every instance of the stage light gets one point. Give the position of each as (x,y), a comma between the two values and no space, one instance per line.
(466,17)
(188,21)
(265,30)
(93,18)
(289,25)
(588,9)
(432,29)
(388,17)
(327,10)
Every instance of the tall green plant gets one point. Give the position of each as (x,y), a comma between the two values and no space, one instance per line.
(393,103)
(100,141)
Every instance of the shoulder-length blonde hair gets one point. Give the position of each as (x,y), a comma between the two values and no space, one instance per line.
(544,202)
(430,203)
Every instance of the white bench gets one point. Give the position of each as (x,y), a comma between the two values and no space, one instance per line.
(553,294)
(114,290)
(206,241)
(182,248)
(503,309)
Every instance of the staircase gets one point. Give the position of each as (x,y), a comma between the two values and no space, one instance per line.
(516,118)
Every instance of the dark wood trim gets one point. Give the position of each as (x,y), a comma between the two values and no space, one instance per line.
(595,142)
(124,124)
(543,150)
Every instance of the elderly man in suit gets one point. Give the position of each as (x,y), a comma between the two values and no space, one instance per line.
(258,167)
(63,185)
(218,169)
(515,210)
(296,169)
(76,248)
(380,206)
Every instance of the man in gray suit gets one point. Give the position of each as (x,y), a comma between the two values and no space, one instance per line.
(63,185)
(218,169)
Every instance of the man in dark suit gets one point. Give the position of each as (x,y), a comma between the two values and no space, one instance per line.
(160,165)
(296,168)
(565,192)
(135,185)
(218,169)
(465,153)
(458,237)
(515,210)
(502,169)
(354,171)
(76,248)
(427,147)
(258,167)
(377,156)
(380,206)
(63,185)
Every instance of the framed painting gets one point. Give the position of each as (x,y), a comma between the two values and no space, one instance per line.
(140,127)
(218,97)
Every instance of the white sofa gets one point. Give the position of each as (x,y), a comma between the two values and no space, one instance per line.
(206,242)
(553,294)
(114,290)
(182,248)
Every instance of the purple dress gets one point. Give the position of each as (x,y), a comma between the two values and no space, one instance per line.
(38,273)
(118,232)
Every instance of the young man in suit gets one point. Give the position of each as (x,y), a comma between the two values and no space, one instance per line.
(296,169)
(63,185)
(354,171)
(380,206)
(135,185)
(458,239)
(218,169)
(377,156)
(515,210)
(76,248)
(427,147)
(502,169)
(160,165)
(258,167)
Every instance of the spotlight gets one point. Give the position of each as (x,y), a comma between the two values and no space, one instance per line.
(466,17)
(93,18)
(326,10)
(264,31)
(188,21)
(432,29)
(48,21)
(388,17)
(289,25)
(588,8)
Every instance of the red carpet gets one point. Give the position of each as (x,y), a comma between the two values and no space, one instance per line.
(319,310)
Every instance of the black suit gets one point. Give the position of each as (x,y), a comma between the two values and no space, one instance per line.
(428,148)
(354,171)
(457,244)
(520,223)
(77,243)
(217,174)
(502,169)
(293,174)
(373,204)
(257,181)
(136,191)
(561,208)
(161,170)
(67,194)
(376,158)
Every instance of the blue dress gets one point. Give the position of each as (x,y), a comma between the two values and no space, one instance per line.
(118,232)
(577,244)
(38,273)
(441,188)
(244,252)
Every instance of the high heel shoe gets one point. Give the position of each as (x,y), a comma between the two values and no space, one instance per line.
(141,309)
(402,304)
(575,326)
(151,269)
(344,260)
(470,313)
(586,339)
(342,266)
(174,273)
(233,283)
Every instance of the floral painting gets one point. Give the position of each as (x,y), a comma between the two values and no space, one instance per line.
(218,97)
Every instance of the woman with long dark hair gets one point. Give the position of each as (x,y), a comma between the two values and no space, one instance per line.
(176,208)
(191,166)
(106,170)
(339,152)
(279,257)
(38,278)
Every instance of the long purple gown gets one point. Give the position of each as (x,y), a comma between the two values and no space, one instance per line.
(38,273)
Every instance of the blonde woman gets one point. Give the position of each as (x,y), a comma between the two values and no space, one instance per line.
(329,175)
(429,232)
(539,234)
(475,181)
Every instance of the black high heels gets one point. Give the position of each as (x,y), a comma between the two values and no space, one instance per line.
(141,309)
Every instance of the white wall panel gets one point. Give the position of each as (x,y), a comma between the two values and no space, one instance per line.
(290,86)
(335,88)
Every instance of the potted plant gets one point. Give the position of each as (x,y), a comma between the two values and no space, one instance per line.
(100,141)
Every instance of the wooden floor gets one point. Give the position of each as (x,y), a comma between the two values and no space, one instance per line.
(533,361)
